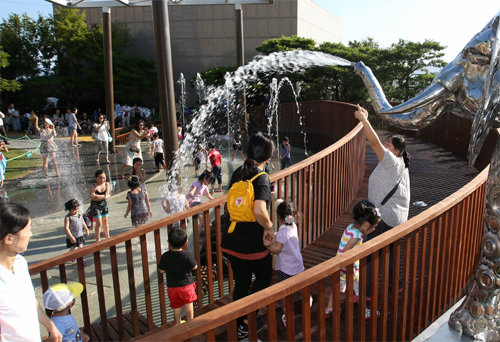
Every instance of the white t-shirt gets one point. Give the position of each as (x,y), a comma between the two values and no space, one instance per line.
(18,307)
(72,120)
(382,181)
(158,145)
(102,133)
(2,115)
(289,260)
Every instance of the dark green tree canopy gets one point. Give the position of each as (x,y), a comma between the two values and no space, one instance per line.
(62,56)
(403,69)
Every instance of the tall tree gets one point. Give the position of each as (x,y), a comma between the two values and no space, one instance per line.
(405,67)
(5,84)
(18,35)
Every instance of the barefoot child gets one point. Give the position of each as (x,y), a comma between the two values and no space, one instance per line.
(60,298)
(200,188)
(178,265)
(74,225)
(99,194)
(157,152)
(286,247)
(366,218)
(215,161)
(138,203)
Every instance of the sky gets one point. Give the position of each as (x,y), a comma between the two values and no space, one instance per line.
(450,22)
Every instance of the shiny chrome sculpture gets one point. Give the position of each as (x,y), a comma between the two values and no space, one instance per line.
(469,87)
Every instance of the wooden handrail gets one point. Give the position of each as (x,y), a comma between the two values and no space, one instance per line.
(226,314)
(322,187)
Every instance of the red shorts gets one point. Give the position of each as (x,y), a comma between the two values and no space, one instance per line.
(179,296)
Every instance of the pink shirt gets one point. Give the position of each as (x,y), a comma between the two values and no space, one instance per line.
(200,190)
(289,260)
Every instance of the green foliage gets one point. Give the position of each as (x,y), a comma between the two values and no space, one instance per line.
(5,84)
(286,43)
(405,67)
(214,76)
(62,56)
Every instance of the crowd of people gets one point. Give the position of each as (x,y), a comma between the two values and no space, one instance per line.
(248,244)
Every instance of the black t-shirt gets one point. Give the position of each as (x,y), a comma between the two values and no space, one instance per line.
(178,265)
(247,236)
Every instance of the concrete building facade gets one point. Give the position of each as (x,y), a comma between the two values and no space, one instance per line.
(203,37)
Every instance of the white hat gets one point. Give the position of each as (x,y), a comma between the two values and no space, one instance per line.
(59,296)
(47,120)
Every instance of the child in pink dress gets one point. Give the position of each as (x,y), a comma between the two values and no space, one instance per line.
(286,247)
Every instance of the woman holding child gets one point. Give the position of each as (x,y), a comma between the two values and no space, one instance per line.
(245,245)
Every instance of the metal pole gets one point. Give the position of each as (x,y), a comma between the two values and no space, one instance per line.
(108,72)
(165,79)
(240,57)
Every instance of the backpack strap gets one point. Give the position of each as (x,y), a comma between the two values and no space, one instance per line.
(257,175)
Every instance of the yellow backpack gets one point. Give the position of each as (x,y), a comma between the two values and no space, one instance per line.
(240,199)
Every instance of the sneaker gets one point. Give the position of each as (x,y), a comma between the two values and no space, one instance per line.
(368,313)
(242,330)
(283,319)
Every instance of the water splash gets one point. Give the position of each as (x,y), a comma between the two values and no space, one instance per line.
(272,110)
(208,120)
(201,90)
(183,97)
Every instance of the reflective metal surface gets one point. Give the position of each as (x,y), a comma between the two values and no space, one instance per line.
(469,87)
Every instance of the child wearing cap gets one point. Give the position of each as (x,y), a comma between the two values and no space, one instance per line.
(60,298)
(178,265)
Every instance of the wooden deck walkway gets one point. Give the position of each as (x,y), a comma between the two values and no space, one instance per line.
(434,174)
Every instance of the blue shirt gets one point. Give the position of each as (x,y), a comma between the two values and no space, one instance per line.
(68,327)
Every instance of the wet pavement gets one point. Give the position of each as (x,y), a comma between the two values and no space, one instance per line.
(45,197)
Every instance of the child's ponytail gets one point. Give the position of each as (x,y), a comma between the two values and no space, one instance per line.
(286,212)
(365,211)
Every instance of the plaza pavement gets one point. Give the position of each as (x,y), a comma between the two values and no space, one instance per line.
(45,198)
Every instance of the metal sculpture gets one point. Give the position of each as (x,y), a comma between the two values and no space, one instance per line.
(469,87)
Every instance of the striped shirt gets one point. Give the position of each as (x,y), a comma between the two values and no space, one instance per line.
(350,233)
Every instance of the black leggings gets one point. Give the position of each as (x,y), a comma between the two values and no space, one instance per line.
(159,160)
(242,272)
(381,228)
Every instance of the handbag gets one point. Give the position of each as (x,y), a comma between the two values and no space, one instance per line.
(389,195)
(110,138)
(133,149)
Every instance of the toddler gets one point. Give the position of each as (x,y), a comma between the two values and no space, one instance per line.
(178,265)
(367,218)
(60,298)
(286,247)
(157,152)
(200,188)
(138,203)
(74,225)
(174,203)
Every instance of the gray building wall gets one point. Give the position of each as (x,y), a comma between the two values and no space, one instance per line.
(203,37)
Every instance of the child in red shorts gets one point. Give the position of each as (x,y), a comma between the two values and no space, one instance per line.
(178,265)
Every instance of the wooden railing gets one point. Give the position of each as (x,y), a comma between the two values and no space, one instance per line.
(123,138)
(123,268)
(436,251)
